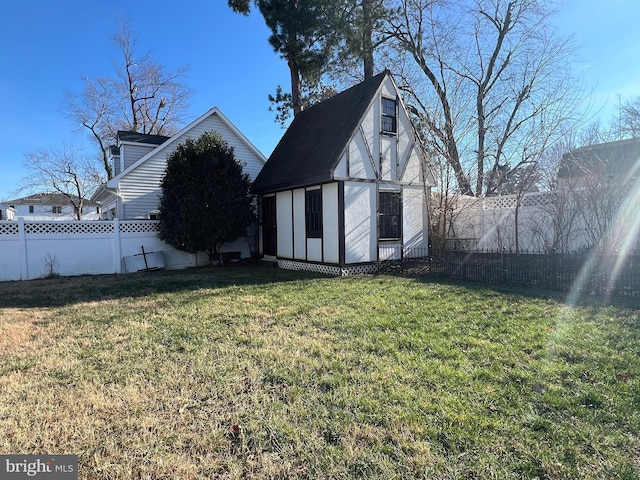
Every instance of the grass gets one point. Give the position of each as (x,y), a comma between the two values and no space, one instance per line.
(262,373)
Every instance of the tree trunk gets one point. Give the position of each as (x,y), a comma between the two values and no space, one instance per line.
(296,86)
(367,42)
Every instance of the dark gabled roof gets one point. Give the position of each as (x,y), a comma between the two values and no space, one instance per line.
(311,147)
(612,158)
(47,199)
(128,136)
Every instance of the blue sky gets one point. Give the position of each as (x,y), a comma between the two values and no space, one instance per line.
(46,48)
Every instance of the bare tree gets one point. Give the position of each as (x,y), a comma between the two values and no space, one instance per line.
(499,84)
(143,97)
(600,198)
(629,118)
(61,171)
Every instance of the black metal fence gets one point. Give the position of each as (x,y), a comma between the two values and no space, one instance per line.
(583,273)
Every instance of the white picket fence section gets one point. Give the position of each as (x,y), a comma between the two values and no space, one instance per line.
(30,249)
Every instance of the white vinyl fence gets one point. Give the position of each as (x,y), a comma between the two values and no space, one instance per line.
(31,250)
(559,221)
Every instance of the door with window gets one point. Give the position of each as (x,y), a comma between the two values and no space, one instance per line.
(269,230)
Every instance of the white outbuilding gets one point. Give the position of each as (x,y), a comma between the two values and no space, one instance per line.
(347,185)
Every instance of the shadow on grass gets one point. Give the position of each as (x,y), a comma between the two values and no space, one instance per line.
(62,291)
(566,298)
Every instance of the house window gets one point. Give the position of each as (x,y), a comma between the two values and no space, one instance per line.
(313,213)
(390,215)
(30,208)
(56,209)
(154,215)
(389,115)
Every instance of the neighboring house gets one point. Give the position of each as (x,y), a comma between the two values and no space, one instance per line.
(48,206)
(7,212)
(139,162)
(347,184)
(612,160)
(595,207)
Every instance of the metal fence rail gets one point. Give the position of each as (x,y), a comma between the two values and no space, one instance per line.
(585,273)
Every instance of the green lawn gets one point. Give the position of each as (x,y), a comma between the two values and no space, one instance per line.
(253,372)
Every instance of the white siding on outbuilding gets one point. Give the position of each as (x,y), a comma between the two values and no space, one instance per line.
(299,234)
(360,222)
(330,226)
(414,221)
(284,206)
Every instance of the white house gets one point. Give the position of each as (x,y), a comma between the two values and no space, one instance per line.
(139,162)
(7,212)
(347,184)
(47,206)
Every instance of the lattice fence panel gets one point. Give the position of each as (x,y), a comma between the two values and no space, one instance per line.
(75,228)
(8,228)
(511,201)
(491,203)
(138,227)
(538,199)
(328,269)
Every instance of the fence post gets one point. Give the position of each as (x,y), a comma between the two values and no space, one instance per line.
(22,239)
(117,250)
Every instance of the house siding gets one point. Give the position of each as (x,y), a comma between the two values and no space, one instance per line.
(130,154)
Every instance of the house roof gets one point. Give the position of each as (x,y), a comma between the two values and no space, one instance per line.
(47,199)
(128,136)
(612,158)
(313,144)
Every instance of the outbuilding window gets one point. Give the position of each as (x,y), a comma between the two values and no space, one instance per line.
(313,213)
(389,116)
(390,215)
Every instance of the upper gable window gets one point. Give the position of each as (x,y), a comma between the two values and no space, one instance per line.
(389,115)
